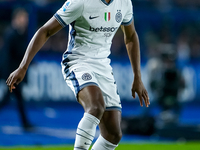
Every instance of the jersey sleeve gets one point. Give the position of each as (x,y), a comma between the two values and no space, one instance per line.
(129,14)
(69,12)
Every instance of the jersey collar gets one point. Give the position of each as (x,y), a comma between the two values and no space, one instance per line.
(104,1)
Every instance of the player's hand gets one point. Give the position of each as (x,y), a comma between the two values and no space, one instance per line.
(15,78)
(139,88)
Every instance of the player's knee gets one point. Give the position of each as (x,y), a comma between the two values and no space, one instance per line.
(97,107)
(117,136)
(97,110)
(92,100)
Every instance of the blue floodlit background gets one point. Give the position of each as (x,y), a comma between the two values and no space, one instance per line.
(162,26)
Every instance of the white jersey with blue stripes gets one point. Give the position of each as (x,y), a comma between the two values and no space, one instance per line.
(92,26)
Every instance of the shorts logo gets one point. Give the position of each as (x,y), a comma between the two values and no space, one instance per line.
(65,6)
(86,76)
(118,16)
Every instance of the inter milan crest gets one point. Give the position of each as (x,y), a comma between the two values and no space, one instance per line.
(86,76)
(107,16)
(118,16)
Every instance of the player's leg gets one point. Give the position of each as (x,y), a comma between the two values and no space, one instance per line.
(110,131)
(110,122)
(5,99)
(21,108)
(92,101)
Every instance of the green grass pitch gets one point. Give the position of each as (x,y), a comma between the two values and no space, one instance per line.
(123,146)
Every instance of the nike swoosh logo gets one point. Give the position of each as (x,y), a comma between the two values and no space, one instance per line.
(93,17)
(87,143)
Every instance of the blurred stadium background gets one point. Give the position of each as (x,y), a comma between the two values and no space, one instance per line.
(169,33)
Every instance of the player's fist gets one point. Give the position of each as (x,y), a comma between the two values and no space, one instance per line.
(15,78)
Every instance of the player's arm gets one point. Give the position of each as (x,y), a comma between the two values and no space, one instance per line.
(38,40)
(132,45)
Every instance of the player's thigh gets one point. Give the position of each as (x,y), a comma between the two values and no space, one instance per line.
(84,84)
(91,98)
(110,126)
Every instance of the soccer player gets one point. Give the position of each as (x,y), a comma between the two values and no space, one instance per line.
(86,67)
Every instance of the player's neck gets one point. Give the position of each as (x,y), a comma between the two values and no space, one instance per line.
(108,1)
